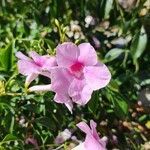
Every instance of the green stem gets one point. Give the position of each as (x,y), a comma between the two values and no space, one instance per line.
(59,147)
(136,66)
(11,94)
(125,59)
(120,10)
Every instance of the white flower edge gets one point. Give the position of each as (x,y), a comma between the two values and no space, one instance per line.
(79,147)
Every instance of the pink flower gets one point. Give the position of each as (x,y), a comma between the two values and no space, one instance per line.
(33,141)
(78,74)
(92,140)
(63,136)
(32,67)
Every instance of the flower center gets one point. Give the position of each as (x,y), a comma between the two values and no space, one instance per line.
(38,64)
(76,69)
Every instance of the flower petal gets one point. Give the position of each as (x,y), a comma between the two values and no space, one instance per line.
(92,144)
(46,74)
(84,127)
(39,60)
(80,92)
(93,128)
(27,67)
(69,105)
(87,54)
(61,98)
(21,56)
(30,78)
(34,55)
(49,63)
(40,88)
(60,80)
(66,54)
(79,147)
(65,99)
(63,136)
(97,76)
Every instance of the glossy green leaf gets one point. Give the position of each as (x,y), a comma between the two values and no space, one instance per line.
(120,106)
(93,105)
(138,44)
(113,85)
(6,106)
(113,54)
(6,58)
(108,7)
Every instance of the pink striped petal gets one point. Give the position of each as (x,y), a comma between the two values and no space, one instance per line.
(97,76)
(50,62)
(27,67)
(93,129)
(34,55)
(92,144)
(21,56)
(60,80)
(84,127)
(39,60)
(79,92)
(92,140)
(66,54)
(87,54)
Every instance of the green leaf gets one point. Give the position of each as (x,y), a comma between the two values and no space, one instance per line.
(50,43)
(6,56)
(148,124)
(113,85)
(2,148)
(138,44)
(143,118)
(108,7)
(93,105)
(113,54)
(120,106)
(8,138)
(44,121)
(6,106)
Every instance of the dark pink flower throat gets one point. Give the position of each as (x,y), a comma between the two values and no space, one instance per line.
(77,67)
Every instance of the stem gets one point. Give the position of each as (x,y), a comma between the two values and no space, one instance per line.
(50,145)
(125,59)
(59,147)
(13,76)
(11,94)
(136,66)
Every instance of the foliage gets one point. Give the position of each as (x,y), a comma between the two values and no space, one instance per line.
(120,36)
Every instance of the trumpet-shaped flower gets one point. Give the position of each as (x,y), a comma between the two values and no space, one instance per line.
(78,74)
(34,65)
(92,139)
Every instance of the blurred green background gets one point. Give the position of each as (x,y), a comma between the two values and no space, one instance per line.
(118,30)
